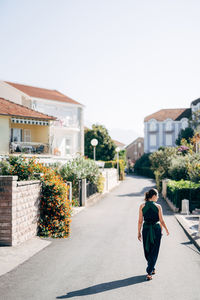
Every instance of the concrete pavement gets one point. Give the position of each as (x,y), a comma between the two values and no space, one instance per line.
(102,259)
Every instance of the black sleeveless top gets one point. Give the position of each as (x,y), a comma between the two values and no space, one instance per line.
(150,212)
(151,217)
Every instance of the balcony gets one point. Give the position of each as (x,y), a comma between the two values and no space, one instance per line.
(66,123)
(29,147)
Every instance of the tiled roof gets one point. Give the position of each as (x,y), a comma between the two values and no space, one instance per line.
(42,93)
(8,108)
(172,113)
(117,143)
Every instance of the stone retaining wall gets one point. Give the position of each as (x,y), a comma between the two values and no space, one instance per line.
(19,209)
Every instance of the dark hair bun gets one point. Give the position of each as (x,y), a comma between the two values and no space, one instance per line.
(150,194)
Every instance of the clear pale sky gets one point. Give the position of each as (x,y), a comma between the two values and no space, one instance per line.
(122,59)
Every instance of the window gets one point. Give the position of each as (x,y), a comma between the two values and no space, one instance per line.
(168,139)
(168,126)
(16,135)
(27,135)
(152,126)
(152,140)
(67,146)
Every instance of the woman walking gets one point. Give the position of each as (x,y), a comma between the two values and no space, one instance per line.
(152,214)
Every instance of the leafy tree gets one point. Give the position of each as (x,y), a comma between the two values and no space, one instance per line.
(105,150)
(186,134)
(160,163)
(194,121)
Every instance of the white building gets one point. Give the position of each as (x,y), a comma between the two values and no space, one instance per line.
(162,127)
(67,133)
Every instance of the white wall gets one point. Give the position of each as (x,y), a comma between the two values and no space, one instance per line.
(4,135)
(69,124)
(10,93)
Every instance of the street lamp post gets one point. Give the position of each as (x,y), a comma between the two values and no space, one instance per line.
(94,143)
(117,150)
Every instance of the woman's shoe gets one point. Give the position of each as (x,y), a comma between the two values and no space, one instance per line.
(149,277)
(153,272)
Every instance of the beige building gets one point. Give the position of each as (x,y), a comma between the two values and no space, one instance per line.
(67,132)
(135,150)
(23,130)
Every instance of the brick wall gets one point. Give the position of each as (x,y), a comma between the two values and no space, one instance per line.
(19,210)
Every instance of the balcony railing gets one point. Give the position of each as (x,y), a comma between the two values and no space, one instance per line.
(29,147)
(66,123)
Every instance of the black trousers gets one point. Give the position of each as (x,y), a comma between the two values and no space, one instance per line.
(152,255)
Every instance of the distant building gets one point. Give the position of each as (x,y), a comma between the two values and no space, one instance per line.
(66,134)
(135,150)
(162,127)
(119,144)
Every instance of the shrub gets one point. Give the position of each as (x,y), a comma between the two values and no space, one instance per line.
(184,189)
(160,163)
(24,168)
(179,168)
(108,164)
(159,175)
(79,168)
(100,183)
(143,166)
(55,207)
(186,134)
(193,167)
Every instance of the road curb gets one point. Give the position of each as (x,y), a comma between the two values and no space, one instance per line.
(190,233)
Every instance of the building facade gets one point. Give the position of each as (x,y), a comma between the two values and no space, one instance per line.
(23,130)
(135,150)
(162,128)
(67,132)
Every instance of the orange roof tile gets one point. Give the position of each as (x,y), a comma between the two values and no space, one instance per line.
(8,108)
(172,113)
(42,93)
(117,143)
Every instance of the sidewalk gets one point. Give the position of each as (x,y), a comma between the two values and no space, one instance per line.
(190,225)
(11,257)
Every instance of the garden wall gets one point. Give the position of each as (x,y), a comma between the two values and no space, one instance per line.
(19,210)
(111,179)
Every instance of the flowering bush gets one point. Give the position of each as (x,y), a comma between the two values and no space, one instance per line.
(20,166)
(79,168)
(55,207)
(183,149)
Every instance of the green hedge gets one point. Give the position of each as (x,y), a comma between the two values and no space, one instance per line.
(113,164)
(184,189)
(143,166)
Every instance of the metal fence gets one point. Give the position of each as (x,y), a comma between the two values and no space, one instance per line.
(91,189)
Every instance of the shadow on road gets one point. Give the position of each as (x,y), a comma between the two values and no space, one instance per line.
(138,194)
(187,244)
(103,287)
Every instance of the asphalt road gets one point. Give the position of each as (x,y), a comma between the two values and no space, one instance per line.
(102,259)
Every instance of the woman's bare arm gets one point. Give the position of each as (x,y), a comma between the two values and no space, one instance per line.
(161,219)
(140,220)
